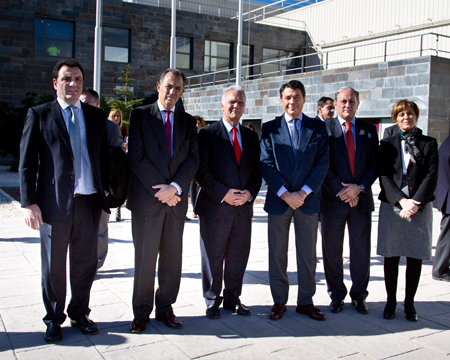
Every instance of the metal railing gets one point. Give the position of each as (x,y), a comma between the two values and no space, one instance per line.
(326,59)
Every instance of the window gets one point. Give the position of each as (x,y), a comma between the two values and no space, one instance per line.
(184,52)
(116,44)
(218,56)
(273,69)
(53,38)
(247,59)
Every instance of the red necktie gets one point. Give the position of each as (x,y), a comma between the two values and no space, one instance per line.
(236,147)
(168,127)
(350,143)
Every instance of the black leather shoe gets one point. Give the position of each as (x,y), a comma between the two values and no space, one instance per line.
(86,325)
(389,311)
(336,306)
(411,316)
(310,310)
(212,312)
(444,277)
(138,324)
(361,306)
(53,333)
(277,311)
(239,309)
(170,320)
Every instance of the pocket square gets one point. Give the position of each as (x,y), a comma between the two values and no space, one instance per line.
(362,132)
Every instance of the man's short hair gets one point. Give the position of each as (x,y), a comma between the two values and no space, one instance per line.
(293,84)
(323,101)
(92,92)
(237,88)
(68,63)
(175,72)
(347,88)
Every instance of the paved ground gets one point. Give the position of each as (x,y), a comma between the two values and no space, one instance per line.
(347,335)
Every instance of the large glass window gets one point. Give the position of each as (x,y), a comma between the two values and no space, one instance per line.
(184,52)
(53,38)
(218,56)
(247,59)
(116,44)
(274,68)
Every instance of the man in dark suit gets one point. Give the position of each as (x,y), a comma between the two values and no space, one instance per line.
(347,199)
(294,161)
(441,270)
(325,109)
(163,157)
(115,139)
(65,147)
(230,180)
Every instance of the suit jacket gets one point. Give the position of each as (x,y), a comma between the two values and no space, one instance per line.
(339,170)
(280,167)
(46,155)
(115,138)
(443,184)
(422,176)
(150,161)
(219,171)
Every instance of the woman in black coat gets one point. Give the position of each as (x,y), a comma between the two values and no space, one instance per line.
(408,175)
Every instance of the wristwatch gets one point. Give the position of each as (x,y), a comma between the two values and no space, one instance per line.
(361,188)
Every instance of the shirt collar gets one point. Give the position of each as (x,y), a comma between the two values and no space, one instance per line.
(288,118)
(162,108)
(228,126)
(64,105)
(342,121)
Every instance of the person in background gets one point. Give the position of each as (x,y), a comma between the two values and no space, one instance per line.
(408,171)
(325,109)
(116,116)
(195,188)
(115,139)
(249,126)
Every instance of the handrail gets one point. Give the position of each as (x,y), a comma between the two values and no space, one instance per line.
(226,76)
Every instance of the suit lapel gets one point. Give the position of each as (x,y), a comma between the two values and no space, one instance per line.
(156,122)
(305,134)
(337,132)
(56,114)
(90,127)
(284,137)
(360,136)
(223,135)
(178,130)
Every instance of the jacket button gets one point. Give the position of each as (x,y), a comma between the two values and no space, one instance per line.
(410,188)
(409,178)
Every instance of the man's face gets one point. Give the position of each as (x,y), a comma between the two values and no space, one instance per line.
(346,104)
(88,99)
(327,112)
(170,90)
(69,84)
(233,107)
(292,101)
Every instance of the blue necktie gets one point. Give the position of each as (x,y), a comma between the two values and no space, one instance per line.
(75,141)
(295,133)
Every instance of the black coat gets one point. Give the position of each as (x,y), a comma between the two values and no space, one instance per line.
(422,176)
(443,184)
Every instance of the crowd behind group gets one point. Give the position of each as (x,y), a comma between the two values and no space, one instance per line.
(319,173)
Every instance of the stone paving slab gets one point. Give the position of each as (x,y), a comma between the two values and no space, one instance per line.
(348,335)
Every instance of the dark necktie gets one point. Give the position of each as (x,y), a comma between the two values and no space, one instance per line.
(75,140)
(168,127)
(350,143)
(295,134)
(236,147)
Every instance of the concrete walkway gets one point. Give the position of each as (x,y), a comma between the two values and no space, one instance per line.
(348,335)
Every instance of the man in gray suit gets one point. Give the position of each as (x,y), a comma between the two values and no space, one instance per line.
(163,157)
(115,139)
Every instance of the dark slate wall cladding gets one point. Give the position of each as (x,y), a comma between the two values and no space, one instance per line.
(21,71)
